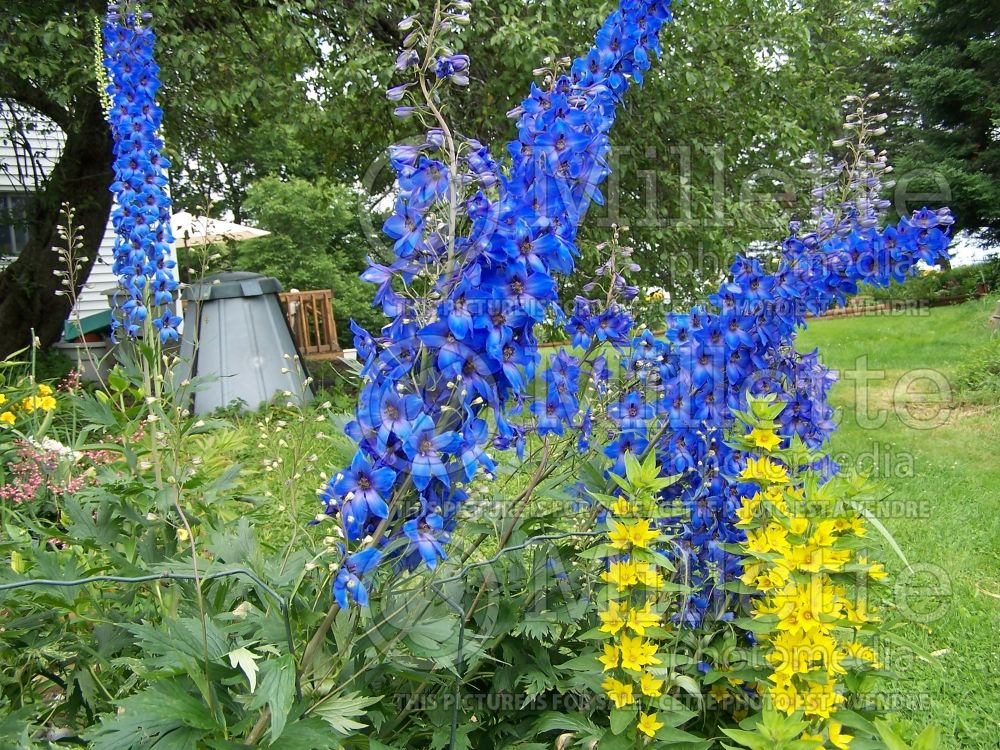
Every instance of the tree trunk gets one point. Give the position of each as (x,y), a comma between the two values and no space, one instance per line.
(81,178)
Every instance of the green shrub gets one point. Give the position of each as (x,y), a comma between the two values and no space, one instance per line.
(933,285)
(317,241)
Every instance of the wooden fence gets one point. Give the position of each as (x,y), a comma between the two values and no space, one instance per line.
(310,316)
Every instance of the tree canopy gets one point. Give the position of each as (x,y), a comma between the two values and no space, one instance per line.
(707,158)
(943,86)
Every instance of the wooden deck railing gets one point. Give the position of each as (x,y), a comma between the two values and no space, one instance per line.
(310,316)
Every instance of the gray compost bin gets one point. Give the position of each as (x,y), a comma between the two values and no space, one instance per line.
(235,331)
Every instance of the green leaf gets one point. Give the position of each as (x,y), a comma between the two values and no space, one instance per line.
(892,740)
(342,713)
(752,740)
(277,692)
(165,715)
(621,719)
(555,721)
(246,660)
(929,739)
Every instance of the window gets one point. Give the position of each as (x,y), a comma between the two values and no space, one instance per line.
(13,223)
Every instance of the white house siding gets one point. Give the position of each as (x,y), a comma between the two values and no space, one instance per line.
(29,148)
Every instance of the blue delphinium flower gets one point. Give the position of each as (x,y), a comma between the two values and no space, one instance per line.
(745,345)
(468,344)
(141,217)
(365,487)
(350,580)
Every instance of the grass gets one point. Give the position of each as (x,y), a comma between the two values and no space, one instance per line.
(944,481)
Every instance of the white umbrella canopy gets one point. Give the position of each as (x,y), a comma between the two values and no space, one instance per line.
(192,231)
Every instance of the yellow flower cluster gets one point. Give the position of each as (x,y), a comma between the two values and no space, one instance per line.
(799,557)
(629,618)
(43,400)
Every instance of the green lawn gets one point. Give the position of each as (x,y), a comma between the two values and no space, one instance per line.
(944,507)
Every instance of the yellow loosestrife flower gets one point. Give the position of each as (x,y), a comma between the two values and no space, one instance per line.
(622,507)
(765,439)
(637,653)
(764,469)
(838,739)
(611,656)
(613,618)
(649,725)
(621,574)
(619,692)
(624,535)
(7,418)
(650,686)
(640,619)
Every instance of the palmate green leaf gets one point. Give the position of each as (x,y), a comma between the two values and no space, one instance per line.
(342,714)
(15,729)
(165,715)
(277,691)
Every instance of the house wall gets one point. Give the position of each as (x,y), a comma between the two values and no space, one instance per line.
(29,148)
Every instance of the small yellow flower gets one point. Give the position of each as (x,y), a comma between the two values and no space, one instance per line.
(650,686)
(838,739)
(619,692)
(44,390)
(799,525)
(637,653)
(824,534)
(877,572)
(182,535)
(648,724)
(613,618)
(622,507)
(765,439)
(47,403)
(3,399)
(764,470)
(611,656)
(621,574)
(640,619)
(7,418)
(624,535)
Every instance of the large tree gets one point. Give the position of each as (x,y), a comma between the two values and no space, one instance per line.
(291,88)
(222,79)
(708,159)
(942,82)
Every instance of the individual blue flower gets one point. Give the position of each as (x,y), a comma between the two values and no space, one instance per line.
(350,582)
(423,533)
(426,450)
(366,487)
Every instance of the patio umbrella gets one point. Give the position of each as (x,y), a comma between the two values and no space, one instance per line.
(192,231)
